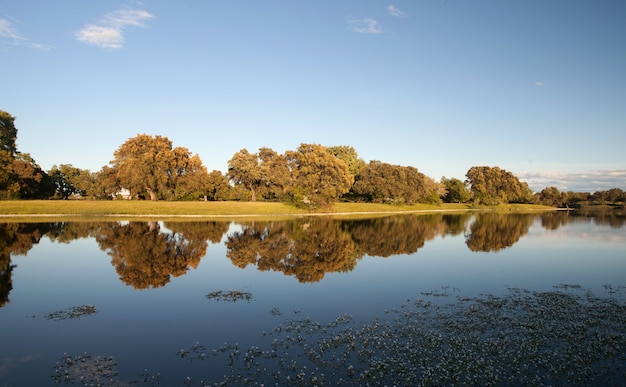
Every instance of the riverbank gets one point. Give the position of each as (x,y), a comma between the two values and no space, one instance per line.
(124,208)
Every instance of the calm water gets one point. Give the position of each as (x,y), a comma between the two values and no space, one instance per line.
(144,291)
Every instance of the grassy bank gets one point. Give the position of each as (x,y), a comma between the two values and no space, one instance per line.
(125,208)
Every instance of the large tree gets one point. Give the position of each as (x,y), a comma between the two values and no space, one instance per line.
(382,182)
(8,133)
(244,169)
(492,185)
(455,191)
(349,156)
(318,178)
(33,182)
(150,164)
(143,164)
(8,137)
(275,175)
(69,180)
(217,186)
(107,184)
(189,178)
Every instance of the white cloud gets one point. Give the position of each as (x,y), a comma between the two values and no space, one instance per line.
(7,30)
(106,37)
(9,35)
(589,181)
(395,11)
(109,33)
(365,26)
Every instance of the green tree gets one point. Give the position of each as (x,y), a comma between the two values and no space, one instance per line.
(63,178)
(33,182)
(189,179)
(318,178)
(615,195)
(386,183)
(492,185)
(8,138)
(455,191)
(8,133)
(217,186)
(143,164)
(150,164)
(244,169)
(106,183)
(349,156)
(551,196)
(275,175)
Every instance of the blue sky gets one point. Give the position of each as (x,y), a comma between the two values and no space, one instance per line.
(535,87)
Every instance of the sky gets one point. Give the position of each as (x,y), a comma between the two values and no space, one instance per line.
(535,87)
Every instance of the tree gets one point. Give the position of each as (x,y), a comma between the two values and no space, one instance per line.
(150,164)
(382,182)
(143,163)
(8,137)
(64,177)
(85,183)
(189,178)
(615,195)
(551,196)
(492,185)
(217,186)
(244,169)
(349,156)
(8,133)
(455,191)
(318,178)
(32,181)
(106,183)
(275,174)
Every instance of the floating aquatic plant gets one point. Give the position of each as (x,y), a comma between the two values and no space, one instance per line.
(86,370)
(229,295)
(567,336)
(75,312)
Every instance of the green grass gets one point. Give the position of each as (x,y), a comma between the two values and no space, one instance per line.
(126,208)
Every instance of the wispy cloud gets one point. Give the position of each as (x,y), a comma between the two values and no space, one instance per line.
(395,11)
(588,181)
(9,35)
(109,32)
(365,26)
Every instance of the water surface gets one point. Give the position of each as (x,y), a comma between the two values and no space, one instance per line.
(128,300)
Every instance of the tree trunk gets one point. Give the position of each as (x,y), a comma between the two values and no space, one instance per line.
(152,195)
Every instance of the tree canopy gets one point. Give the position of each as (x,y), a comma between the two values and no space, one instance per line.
(492,185)
(312,175)
(386,183)
(150,164)
(318,178)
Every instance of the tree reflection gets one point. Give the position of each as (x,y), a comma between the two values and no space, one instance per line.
(613,217)
(304,248)
(493,232)
(146,256)
(310,248)
(454,224)
(395,235)
(15,239)
(554,219)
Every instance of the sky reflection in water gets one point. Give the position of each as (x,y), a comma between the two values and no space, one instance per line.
(312,267)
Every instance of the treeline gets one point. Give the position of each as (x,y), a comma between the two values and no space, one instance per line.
(150,167)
